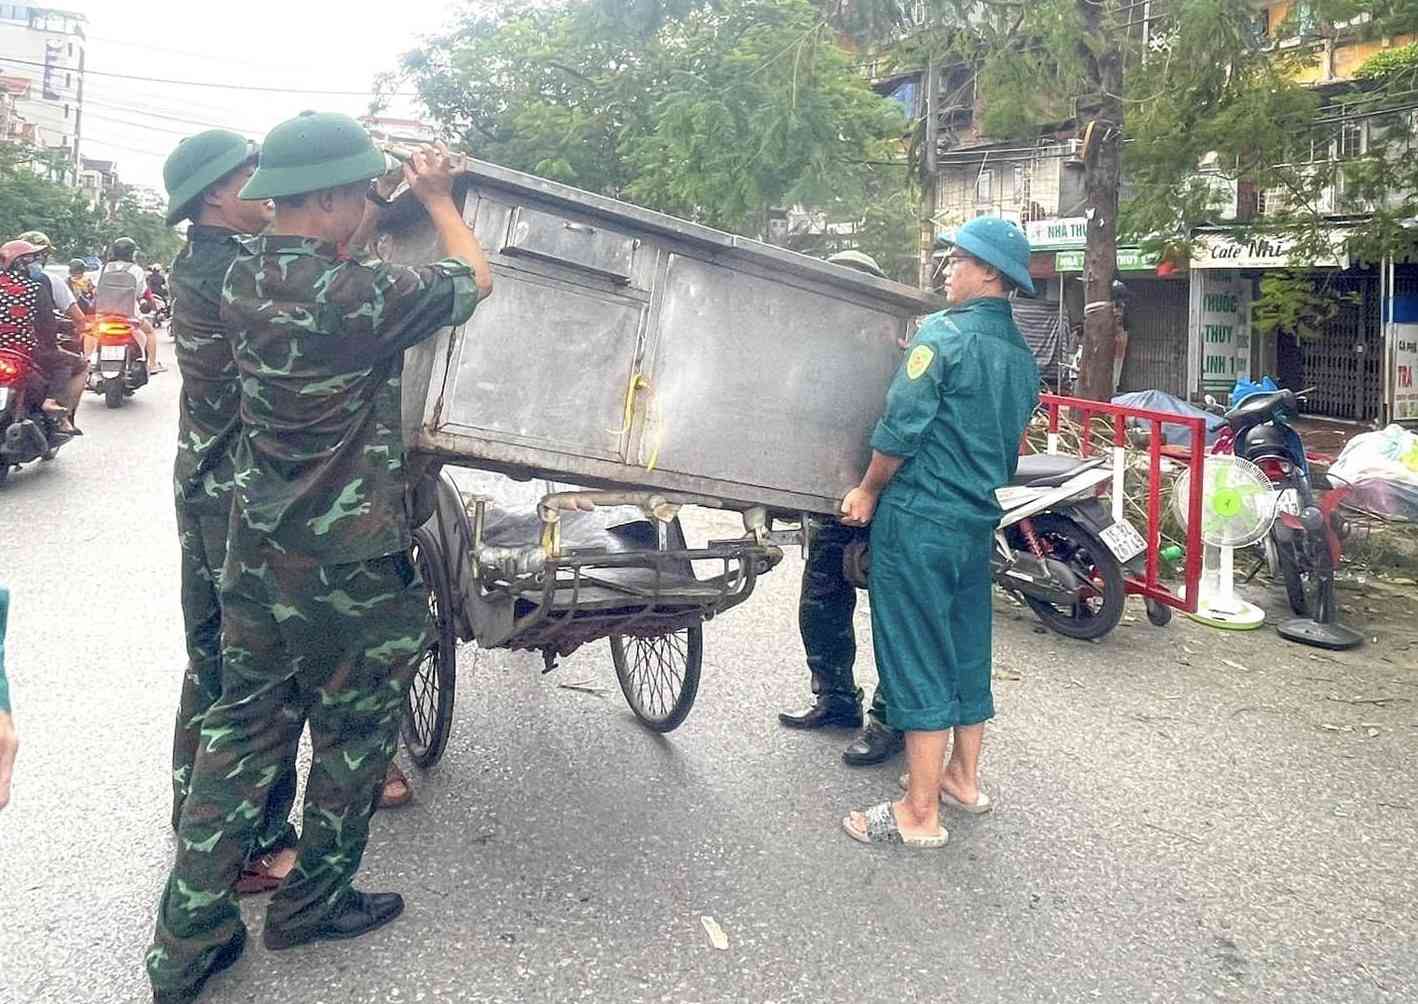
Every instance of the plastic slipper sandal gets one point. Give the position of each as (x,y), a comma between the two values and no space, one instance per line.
(982,804)
(882,829)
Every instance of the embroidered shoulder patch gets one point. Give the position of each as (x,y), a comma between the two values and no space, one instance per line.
(919,361)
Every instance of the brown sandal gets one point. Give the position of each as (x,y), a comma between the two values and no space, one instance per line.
(397,791)
(256,877)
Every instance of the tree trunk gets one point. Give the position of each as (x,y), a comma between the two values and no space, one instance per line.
(1100,187)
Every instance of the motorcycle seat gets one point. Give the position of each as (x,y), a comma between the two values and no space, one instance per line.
(1044,470)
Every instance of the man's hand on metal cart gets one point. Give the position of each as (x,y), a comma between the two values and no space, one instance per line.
(858,506)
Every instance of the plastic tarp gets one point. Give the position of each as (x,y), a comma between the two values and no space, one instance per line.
(1391,454)
(1158,400)
(1381,469)
(1038,323)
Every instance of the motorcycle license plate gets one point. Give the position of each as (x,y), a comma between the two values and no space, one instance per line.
(108,353)
(1125,542)
(4,398)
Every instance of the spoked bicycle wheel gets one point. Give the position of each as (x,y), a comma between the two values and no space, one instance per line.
(660,676)
(428,711)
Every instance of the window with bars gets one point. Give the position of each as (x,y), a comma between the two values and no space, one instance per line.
(984,186)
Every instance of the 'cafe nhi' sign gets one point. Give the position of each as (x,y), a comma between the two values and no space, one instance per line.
(1223,251)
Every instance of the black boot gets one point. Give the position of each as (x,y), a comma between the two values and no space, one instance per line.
(224,959)
(828,709)
(876,744)
(360,913)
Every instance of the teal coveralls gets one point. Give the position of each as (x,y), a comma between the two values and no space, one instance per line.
(955,412)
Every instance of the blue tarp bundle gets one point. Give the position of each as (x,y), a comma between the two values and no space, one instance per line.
(1157,400)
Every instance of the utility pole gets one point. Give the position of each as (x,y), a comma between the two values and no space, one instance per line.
(930,169)
(1101,123)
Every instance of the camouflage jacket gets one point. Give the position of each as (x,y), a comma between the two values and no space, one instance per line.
(319,342)
(208,419)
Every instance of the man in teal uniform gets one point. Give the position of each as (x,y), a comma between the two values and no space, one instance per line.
(949,438)
(323,615)
(204,176)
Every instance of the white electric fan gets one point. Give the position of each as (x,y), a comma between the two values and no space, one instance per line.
(1237,509)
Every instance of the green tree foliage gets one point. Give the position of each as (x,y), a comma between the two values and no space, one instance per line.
(715,111)
(1206,99)
(157,241)
(31,202)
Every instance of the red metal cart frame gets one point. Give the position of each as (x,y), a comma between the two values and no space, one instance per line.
(1149,584)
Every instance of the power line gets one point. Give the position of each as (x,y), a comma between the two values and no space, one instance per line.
(229,87)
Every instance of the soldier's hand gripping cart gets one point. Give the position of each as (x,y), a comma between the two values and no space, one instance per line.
(323,614)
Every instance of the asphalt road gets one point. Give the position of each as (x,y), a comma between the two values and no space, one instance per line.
(1183,815)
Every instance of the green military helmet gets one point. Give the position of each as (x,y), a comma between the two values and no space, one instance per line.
(38,238)
(858,260)
(1000,243)
(199,162)
(312,152)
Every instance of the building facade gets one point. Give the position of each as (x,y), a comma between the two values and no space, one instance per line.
(45,48)
(1357,363)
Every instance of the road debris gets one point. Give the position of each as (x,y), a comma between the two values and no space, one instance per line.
(717,937)
(585,687)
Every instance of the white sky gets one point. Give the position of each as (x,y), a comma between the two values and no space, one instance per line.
(325,44)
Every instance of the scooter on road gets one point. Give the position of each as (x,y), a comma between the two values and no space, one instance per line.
(27,433)
(120,366)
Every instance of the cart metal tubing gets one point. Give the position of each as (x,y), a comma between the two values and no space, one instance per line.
(562,618)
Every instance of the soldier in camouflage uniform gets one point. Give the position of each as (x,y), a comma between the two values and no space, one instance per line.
(203,177)
(826,605)
(324,616)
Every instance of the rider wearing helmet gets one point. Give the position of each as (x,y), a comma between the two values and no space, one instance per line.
(121,255)
(28,326)
(81,285)
(948,439)
(64,300)
(826,603)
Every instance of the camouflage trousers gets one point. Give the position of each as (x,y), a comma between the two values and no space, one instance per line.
(203,539)
(332,644)
(825,608)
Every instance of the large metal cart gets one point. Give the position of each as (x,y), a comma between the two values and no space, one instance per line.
(658,362)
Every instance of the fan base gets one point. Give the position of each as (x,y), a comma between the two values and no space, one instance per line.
(1238,615)
(1335,637)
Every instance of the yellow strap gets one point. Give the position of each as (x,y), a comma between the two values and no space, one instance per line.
(639,382)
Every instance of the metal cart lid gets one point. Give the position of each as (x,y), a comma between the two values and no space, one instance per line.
(481,174)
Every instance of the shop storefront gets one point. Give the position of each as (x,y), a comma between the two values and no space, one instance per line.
(1154,316)
(1342,366)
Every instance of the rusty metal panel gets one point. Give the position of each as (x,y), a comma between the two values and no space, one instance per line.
(1156,321)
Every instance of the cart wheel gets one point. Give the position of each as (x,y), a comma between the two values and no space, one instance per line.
(428,714)
(660,676)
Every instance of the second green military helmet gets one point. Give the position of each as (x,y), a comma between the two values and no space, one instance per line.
(315,151)
(198,163)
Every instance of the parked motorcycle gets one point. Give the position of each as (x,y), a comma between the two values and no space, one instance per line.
(120,367)
(1056,547)
(27,434)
